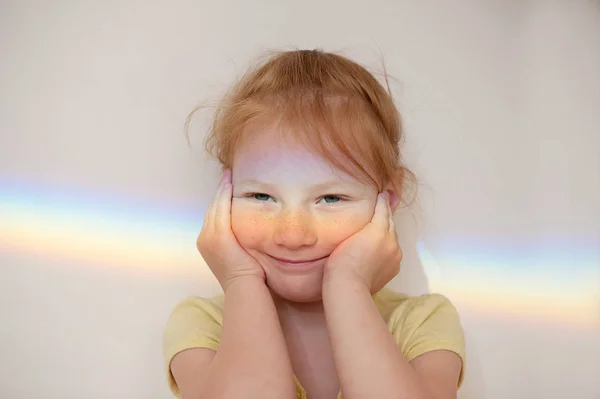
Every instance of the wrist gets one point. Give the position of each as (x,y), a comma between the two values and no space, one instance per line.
(245,280)
(340,279)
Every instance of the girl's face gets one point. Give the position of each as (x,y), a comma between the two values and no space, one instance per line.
(290,204)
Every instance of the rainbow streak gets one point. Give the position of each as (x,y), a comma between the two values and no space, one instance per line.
(73,227)
(550,286)
(555,286)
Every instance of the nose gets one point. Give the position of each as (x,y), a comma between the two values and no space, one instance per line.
(295,230)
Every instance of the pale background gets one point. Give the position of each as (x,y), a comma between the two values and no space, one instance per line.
(101,199)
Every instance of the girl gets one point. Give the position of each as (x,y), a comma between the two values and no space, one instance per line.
(301,237)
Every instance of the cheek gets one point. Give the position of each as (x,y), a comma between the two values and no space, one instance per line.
(338,228)
(249,226)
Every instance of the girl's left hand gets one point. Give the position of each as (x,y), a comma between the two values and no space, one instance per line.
(372,255)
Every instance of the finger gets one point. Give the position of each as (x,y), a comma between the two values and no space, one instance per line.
(391,223)
(380,217)
(392,227)
(223,208)
(209,217)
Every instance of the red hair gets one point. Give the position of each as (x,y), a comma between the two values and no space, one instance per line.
(330,104)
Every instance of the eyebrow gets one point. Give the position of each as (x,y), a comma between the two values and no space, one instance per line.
(333,184)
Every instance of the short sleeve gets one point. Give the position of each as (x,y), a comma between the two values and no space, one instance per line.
(194,323)
(427,323)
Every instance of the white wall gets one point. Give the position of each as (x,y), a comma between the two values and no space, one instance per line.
(101,199)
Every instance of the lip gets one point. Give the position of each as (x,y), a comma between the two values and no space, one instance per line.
(297,263)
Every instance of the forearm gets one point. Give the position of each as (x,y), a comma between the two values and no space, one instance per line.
(368,362)
(252,359)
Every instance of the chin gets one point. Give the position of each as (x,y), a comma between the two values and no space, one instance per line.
(300,289)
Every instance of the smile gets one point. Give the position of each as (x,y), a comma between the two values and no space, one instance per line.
(297,263)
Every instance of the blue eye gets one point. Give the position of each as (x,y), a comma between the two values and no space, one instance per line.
(334,199)
(260,197)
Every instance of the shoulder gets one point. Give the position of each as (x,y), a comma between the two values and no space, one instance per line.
(195,307)
(195,322)
(423,323)
(396,307)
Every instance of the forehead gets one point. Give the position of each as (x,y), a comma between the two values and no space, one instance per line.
(268,154)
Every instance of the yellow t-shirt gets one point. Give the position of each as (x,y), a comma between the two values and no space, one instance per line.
(418,324)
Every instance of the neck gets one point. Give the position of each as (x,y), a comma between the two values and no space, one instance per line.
(295,314)
(305,330)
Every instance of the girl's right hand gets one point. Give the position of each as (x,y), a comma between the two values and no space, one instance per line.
(217,243)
